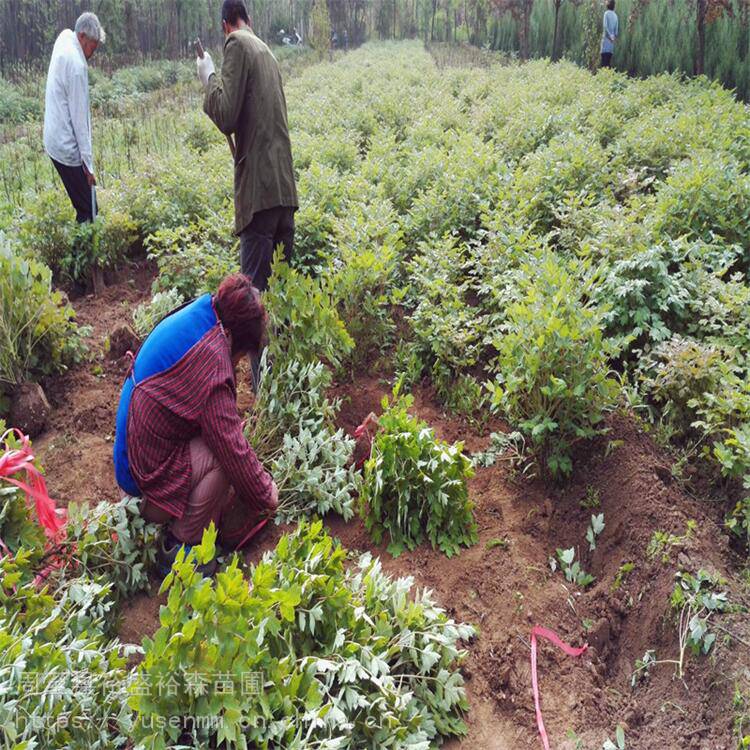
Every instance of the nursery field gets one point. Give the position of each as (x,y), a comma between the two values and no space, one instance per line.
(536,279)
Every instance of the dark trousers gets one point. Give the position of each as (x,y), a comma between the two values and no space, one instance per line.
(258,241)
(606,59)
(78,190)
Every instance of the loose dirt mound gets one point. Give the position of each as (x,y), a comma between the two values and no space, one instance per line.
(76,448)
(503,584)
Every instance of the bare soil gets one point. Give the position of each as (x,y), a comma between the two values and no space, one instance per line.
(504,589)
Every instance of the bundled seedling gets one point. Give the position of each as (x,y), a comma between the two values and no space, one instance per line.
(291,427)
(62,678)
(291,430)
(148,314)
(304,654)
(415,485)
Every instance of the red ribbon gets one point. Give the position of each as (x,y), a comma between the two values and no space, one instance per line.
(569,650)
(15,461)
(250,534)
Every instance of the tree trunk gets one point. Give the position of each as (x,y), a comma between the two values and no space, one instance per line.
(700,53)
(555,40)
(131,32)
(523,32)
(480,23)
(432,24)
(97,280)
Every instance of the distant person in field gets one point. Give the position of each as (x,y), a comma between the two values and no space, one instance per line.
(179,442)
(609,35)
(247,101)
(67,117)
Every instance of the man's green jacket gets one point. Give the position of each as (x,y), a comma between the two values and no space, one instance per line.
(247,101)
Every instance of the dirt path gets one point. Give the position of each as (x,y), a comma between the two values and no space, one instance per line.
(504,583)
(76,448)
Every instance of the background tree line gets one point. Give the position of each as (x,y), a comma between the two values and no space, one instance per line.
(693,36)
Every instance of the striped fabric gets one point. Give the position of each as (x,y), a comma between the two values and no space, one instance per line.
(195,396)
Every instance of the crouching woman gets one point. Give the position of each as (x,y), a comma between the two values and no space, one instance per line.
(179,442)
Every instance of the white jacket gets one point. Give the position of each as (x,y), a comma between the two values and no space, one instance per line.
(67,120)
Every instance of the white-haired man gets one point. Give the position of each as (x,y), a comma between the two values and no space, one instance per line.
(67,119)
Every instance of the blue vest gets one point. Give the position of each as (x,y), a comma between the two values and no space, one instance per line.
(164,347)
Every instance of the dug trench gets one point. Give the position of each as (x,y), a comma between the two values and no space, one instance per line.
(504,584)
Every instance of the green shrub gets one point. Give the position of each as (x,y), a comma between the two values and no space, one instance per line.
(194,258)
(62,678)
(339,658)
(415,485)
(738,521)
(683,119)
(463,191)
(550,176)
(305,324)
(677,374)
(201,134)
(493,266)
(47,230)
(323,203)
(408,366)
(113,544)
(46,227)
(445,325)
(645,297)
(720,316)
(553,382)
(14,106)
(705,198)
(169,193)
(103,243)
(362,284)
(463,395)
(724,416)
(37,333)
(129,85)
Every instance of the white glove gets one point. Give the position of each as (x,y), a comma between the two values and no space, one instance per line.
(205,68)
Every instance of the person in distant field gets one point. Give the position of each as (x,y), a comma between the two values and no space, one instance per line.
(67,118)
(179,442)
(247,100)
(610,33)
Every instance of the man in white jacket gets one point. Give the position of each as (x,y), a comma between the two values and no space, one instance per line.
(67,119)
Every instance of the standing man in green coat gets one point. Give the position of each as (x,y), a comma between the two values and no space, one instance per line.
(247,101)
